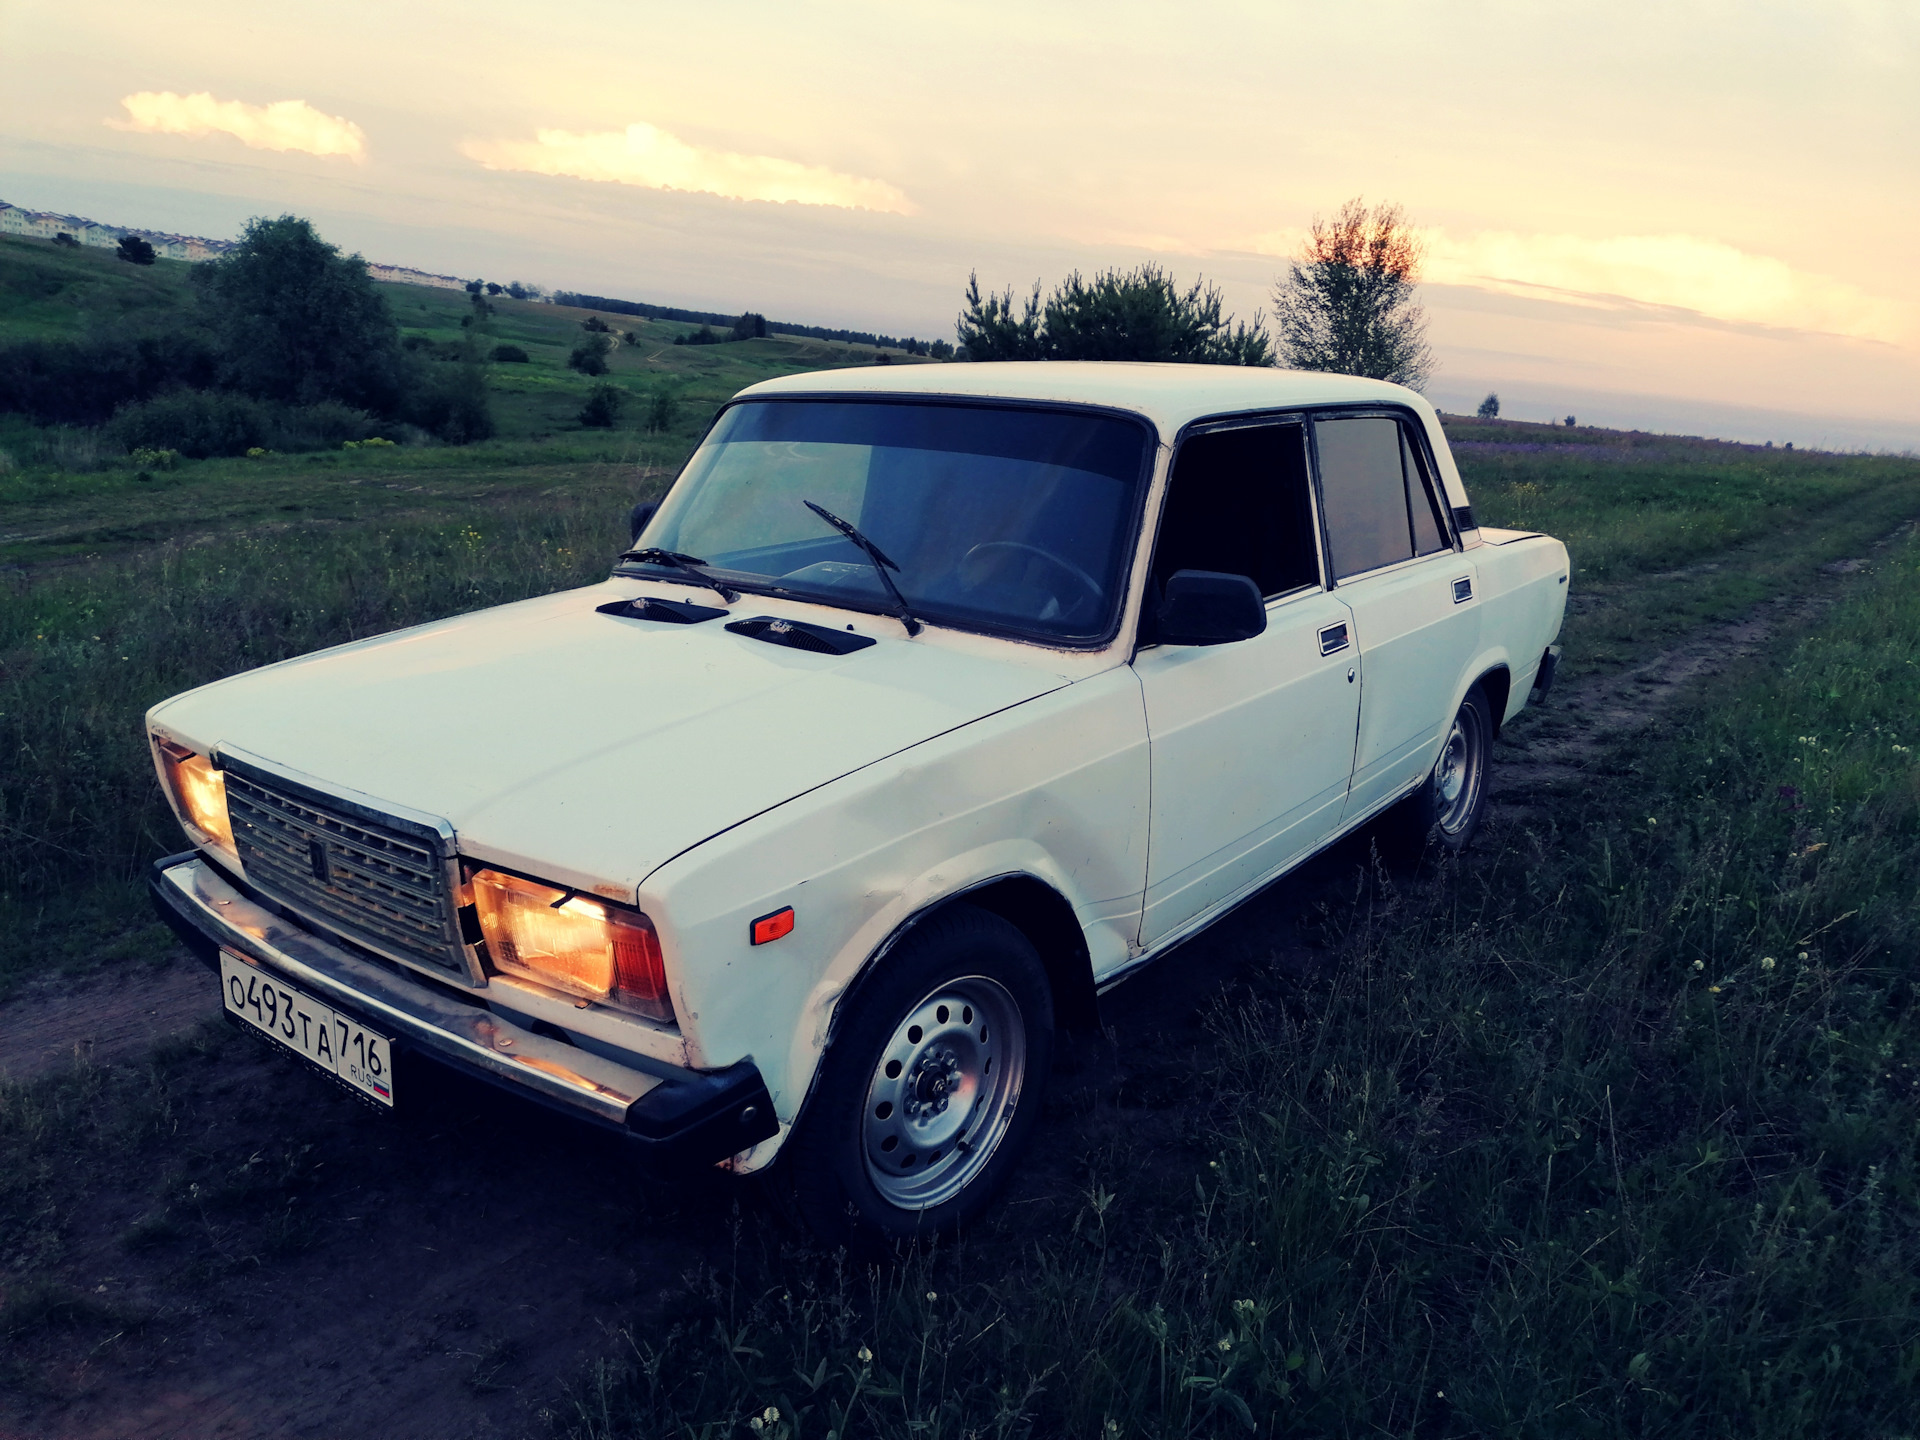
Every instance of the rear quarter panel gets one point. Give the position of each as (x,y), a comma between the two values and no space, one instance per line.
(1523,580)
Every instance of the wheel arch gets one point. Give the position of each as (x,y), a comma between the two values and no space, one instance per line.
(1497,681)
(1033,907)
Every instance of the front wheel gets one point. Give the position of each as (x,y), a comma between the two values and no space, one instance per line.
(1446,810)
(931,1087)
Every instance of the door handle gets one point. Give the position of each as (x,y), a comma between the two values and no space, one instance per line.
(1334,638)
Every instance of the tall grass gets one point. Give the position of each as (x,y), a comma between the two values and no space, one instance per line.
(84,651)
(1612,1132)
(1625,510)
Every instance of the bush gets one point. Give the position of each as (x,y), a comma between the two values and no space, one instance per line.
(150,459)
(663,408)
(596,325)
(509,355)
(589,357)
(325,426)
(602,409)
(197,423)
(83,382)
(451,402)
(135,250)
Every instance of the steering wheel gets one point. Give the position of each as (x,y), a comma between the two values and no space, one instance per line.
(1096,592)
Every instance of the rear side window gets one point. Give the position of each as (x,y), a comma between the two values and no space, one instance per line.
(1379,507)
(1239,504)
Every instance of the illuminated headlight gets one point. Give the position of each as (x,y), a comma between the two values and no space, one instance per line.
(572,943)
(199,795)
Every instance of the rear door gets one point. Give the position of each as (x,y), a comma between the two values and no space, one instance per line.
(1251,742)
(1413,594)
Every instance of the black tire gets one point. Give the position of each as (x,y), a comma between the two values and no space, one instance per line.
(1445,811)
(846,1190)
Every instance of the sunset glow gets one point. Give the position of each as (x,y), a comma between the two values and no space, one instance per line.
(1667,200)
(646,155)
(282,125)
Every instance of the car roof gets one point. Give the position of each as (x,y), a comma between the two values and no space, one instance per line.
(1169,395)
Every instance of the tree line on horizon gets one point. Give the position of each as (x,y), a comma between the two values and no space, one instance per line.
(1346,305)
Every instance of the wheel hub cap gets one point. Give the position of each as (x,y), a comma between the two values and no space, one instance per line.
(943,1092)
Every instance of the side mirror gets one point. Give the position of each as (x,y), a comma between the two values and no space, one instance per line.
(1204,607)
(638,517)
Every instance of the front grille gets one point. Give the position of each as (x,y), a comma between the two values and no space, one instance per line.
(378,880)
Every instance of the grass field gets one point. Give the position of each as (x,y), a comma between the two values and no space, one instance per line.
(1609,1131)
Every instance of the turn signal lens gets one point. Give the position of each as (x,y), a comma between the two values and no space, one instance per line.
(572,943)
(772,927)
(199,794)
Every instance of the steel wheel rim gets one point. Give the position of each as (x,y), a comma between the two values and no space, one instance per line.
(1458,774)
(943,1092)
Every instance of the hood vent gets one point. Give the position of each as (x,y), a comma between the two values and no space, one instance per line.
(650,607)
(798,635)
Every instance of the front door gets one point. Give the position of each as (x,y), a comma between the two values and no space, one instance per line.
(1251,742)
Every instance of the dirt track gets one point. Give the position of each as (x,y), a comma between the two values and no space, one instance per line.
(466,1259)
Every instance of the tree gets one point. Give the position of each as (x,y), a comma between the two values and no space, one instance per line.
(493,289)
(296,320)
(589,357)
(1569,422)
(750,326)
(1489,408)
(602,409)
(1347,304)
(135,249)
(1140,314)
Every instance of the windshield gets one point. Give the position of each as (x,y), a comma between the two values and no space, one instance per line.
(1000,519)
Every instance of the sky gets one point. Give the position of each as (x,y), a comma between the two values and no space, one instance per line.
(1699,217)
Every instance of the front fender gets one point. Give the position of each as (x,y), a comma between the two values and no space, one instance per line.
(1055,789)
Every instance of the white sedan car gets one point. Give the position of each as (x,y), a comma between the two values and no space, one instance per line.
(929,703)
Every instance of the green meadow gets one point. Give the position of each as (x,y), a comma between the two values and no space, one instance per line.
(1609,1130)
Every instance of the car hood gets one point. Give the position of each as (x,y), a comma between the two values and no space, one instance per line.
(589,748)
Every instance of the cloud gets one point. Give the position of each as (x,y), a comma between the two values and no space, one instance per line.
(649,156)
(282,125)
(1686,272)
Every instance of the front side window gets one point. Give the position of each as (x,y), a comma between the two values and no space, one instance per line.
(1378,504)
(1006,519)
(1238,503)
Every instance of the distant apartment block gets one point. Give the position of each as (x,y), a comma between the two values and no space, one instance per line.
(45,224)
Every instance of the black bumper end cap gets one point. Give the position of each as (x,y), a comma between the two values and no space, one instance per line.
(1543,677)
(702,1117)
(204,947)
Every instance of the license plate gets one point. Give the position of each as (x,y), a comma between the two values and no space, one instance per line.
(337,1043)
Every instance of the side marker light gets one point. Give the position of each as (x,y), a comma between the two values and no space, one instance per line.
(772,927)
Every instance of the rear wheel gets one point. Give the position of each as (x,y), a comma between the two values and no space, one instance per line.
(1446,810)
(931,1087)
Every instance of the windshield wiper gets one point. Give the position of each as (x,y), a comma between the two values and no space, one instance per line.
(691,564)
(881,564)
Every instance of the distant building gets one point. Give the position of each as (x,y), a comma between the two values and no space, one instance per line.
(44,225)
(405,275)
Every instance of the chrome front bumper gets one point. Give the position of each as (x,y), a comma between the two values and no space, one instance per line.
(695,1116)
